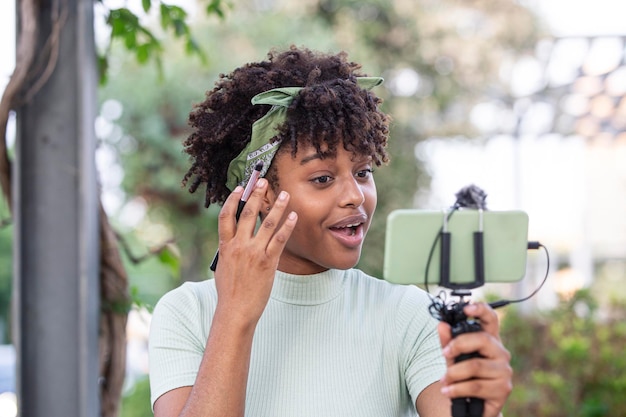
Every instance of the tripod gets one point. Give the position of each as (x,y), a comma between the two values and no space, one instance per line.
(459,323)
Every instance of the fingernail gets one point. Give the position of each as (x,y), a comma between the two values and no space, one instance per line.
(238,189)
(292,215)
(472,308)
(445,391)
(446,351)
(261,183)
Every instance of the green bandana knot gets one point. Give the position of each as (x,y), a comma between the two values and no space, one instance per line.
(260,147)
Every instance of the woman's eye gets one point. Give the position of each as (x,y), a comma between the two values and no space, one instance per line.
(364,173)
(324,179)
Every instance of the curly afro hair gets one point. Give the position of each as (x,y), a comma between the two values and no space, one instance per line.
(330,110)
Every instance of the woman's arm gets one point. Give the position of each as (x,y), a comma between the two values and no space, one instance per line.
(220,387)
(243,278)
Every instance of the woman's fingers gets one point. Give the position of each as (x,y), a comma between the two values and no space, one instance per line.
(270,238)
(250,212)
(492,363)
(489,321)
(487,345)
(227,226)
(276,228)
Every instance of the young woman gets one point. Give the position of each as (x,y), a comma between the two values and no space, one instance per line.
(287,327)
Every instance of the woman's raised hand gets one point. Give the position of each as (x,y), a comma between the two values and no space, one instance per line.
(248,261)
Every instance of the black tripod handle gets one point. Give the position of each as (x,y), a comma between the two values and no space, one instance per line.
(469,406)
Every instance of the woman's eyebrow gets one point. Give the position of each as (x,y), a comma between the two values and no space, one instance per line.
(310,158)
(317,155)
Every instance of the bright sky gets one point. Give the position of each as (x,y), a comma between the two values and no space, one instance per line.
(583,17)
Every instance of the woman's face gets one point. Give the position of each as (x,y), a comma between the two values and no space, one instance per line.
(335,198)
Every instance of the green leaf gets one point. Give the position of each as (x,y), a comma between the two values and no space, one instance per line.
(146,4)
(142,52)
(215,7)
(136,301)
(118,27)
(192,47)
(103,66)
(177,13)
(180,28)
(169,258)
(122,22)
(174,16)
(165,16)
(130,40)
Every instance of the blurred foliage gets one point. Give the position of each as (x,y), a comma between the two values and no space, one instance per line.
(455,48)
(142,40)
(136,401)
(6,270)
(568,362)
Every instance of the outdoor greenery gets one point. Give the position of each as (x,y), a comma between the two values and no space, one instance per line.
(6,271)
(136,402)
(568,362)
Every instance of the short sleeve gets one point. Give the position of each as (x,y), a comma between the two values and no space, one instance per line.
(178,333)
(420,348)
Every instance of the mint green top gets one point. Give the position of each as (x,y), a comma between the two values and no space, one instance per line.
(338,343)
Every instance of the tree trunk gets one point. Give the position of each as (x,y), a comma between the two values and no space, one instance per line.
(115,302)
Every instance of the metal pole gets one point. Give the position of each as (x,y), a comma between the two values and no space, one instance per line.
(56,228)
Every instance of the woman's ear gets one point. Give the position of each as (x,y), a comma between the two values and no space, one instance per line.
(268,202)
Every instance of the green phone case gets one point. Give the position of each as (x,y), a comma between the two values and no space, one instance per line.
(411,233)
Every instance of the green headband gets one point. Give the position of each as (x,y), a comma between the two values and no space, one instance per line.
(260,147)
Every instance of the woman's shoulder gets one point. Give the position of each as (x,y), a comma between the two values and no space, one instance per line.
(189,296)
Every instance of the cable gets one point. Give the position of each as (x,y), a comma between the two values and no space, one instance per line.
(531,245)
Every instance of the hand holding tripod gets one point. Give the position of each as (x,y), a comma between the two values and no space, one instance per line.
(460,324)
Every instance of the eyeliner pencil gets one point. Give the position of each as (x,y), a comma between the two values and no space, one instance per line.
(242,202)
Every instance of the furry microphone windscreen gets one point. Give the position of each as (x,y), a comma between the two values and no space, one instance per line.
(471,197)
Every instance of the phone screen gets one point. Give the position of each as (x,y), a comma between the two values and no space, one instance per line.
(411,233)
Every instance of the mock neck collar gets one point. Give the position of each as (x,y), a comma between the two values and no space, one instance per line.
(308,289)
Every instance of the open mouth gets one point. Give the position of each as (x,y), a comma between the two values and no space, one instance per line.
(348,230)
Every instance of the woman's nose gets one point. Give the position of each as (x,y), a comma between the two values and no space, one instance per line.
(352,194)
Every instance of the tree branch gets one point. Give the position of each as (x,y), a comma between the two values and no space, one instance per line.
(139,259)
(50,53)
(25,55)
(112,330)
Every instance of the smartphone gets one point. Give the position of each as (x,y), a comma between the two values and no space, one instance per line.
(411,234)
